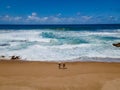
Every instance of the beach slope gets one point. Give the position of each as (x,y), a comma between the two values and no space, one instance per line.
(23,75)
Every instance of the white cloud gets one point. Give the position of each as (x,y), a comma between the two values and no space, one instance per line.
(112,18)
(34,18)
(54,19)
(34,14)
(43,19)
(50,19)
(7,18)
(86,17)
(17,18)
(10,18)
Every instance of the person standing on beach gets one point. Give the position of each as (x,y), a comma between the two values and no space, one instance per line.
(63,65)
(59,65)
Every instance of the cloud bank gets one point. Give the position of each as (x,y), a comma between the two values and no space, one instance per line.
(34,18)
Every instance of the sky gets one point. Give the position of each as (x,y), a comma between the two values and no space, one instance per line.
(59,11)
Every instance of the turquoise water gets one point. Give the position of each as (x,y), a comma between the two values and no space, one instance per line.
(61,44)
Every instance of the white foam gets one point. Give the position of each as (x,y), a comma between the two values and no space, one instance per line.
(38,48)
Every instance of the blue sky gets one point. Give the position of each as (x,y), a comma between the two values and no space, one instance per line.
(59,11)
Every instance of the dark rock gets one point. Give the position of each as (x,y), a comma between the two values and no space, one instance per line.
(15,57)
(2,56)
(5,44)
(18,41)
(116,44)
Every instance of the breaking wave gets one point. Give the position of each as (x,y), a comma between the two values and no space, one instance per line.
(55,45)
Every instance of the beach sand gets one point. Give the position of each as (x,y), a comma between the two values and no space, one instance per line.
(23,75)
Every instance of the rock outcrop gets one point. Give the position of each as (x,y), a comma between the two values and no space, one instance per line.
(116,44)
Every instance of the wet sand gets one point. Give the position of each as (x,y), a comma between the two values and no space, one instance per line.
(25,75)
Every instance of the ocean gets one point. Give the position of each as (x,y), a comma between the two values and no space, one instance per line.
(61,42)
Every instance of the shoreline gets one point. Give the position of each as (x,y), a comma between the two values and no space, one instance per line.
(60,61)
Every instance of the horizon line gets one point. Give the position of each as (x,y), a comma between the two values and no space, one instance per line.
(66,24)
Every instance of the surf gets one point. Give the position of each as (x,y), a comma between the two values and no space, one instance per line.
(58,45)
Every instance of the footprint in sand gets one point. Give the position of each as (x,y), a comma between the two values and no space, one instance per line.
(112,85)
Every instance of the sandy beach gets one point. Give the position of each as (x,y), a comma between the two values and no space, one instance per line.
(25,75)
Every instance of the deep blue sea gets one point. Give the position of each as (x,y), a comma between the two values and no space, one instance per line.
(61,42)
